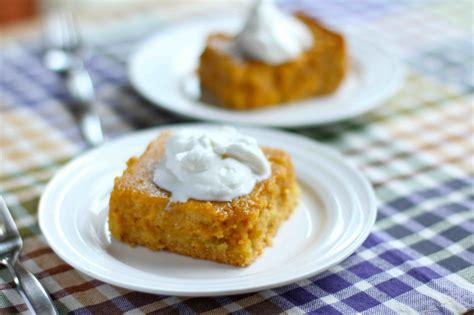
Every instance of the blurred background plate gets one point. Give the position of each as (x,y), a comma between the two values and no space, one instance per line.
(163,70)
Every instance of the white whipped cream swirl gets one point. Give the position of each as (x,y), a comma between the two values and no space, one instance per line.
(273,36)
(215,165)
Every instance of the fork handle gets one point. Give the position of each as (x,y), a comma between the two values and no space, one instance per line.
(31,289)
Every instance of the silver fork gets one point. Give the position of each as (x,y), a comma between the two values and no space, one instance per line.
(63,55)
(29,287)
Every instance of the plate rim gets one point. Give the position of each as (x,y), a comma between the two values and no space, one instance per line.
(64,171)
(375,101)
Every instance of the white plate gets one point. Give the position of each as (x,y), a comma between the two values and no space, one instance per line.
(336,213)
(163,70)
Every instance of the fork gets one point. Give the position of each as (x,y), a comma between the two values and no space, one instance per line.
(26,283)
(63,55)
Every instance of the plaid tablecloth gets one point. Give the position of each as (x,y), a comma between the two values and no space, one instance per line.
(417,150)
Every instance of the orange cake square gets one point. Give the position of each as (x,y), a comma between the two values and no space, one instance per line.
(234,232)
(244,84)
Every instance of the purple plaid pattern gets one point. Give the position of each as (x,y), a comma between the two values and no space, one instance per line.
(415,150)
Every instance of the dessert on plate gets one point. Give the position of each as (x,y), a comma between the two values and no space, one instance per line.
(212,194)
(276,58)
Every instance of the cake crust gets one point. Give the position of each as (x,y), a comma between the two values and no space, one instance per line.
(244,84)
(234,232)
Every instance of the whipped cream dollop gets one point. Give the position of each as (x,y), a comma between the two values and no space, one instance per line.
(273,36)
(215,165)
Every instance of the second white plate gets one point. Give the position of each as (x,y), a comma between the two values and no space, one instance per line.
(336,213)
(163,70)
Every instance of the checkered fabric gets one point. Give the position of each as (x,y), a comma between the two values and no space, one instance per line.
(416,149)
